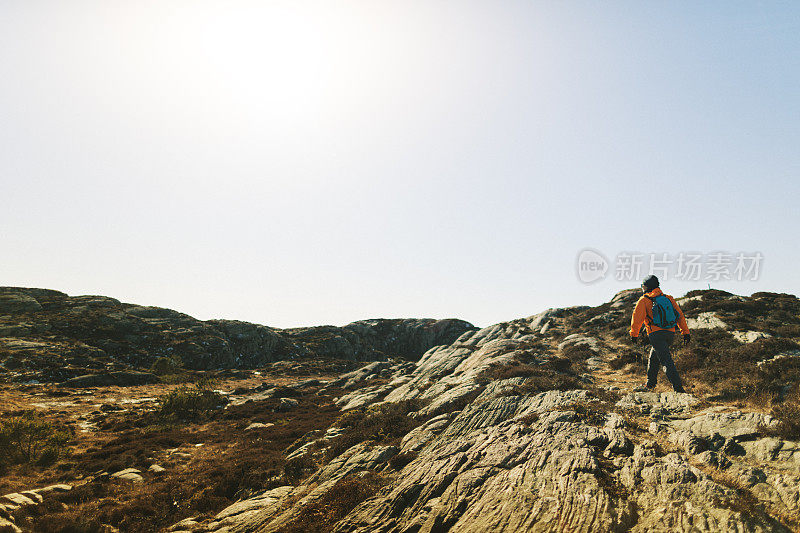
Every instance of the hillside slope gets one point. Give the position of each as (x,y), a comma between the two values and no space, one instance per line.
(532,425)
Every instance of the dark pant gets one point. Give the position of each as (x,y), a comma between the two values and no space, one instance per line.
(659,356)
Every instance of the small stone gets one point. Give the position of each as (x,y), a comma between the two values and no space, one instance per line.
(129,474)
(258,425)
(287,404)
(180,455)
(156,469)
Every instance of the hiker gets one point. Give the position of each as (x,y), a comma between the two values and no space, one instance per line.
(662,317)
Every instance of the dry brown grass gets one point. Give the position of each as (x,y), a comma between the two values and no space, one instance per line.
(399,461)
(382,424)
(231,464)
(787,412)
(344,496)
(554,374)
(592,413)
(729,370)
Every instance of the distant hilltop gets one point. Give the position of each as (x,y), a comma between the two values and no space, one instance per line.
(46,335)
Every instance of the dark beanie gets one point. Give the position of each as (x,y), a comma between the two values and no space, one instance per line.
(651,282)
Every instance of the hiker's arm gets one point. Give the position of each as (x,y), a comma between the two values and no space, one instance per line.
(639,315)
(684,327)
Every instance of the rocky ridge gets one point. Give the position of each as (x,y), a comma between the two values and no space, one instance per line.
(46,335)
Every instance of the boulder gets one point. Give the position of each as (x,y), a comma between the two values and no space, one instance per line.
(706,320)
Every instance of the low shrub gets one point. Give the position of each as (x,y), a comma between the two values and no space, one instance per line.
(577,355)
(164,366)
(508,371)
(529,419)
(190,402)
(30,438)
(625,356)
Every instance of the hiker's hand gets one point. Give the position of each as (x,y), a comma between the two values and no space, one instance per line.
(686,339)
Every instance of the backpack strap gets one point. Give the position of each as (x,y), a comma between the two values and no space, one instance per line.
(649,319)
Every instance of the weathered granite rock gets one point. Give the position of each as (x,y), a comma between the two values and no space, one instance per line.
(361,375)
(714,459)
(578,339)
(725,423)
(705,321)
(749,336)
(363,397)
(258,425)
(664,404)
(626,299)
(18,501)
(689,442)
(547,477)
(418,437)
(233,517)
(451,399)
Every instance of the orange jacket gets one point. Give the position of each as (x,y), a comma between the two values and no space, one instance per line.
(643,314)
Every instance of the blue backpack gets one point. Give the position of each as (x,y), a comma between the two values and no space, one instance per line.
(665,315)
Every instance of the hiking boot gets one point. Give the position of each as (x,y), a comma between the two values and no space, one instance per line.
(644,388)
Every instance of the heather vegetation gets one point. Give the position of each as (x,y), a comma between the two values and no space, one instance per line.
(382,424)
(344,496)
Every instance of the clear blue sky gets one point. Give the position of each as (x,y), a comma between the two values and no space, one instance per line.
(298,163)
